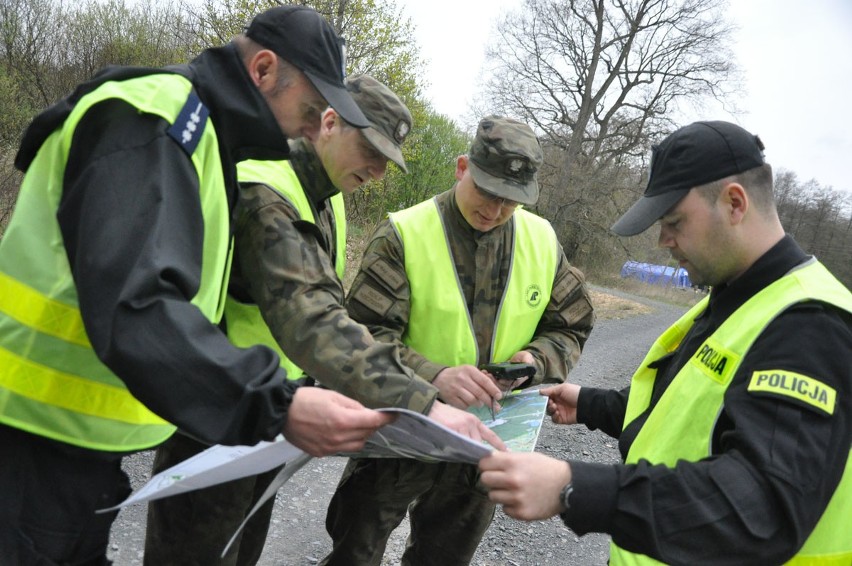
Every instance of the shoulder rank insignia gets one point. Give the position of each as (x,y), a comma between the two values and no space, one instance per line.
(190,123)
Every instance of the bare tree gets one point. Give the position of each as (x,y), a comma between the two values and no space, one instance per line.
(819,218)
(30,47)
(598,76)
(599,79)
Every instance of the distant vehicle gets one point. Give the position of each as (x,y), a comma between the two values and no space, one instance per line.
(661,275)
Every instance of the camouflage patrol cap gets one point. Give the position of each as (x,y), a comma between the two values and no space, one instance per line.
(389,118)
(504,158)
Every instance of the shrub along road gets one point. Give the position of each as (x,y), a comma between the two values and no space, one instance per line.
(297,537)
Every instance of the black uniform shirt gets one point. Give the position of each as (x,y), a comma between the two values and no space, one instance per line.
(774,464)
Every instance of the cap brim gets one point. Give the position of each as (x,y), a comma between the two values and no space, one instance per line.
(645,212)
(524,193)
(339,99)
(385,146)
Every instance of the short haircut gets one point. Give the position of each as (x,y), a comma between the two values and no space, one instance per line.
(287,73)
(757,182)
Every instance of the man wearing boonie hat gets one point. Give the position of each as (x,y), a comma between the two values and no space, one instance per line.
(463,279)
(286,293)
(735,430)
(113,270)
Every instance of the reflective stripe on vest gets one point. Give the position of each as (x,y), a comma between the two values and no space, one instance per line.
(439,325)
(245,324)
(51,382)
(680,427)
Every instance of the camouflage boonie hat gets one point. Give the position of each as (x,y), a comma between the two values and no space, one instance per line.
(390,120)
(504,158)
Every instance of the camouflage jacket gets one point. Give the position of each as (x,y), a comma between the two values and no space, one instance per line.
(285,265)
(380,295)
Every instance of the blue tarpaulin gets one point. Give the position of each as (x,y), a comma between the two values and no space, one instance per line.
(661,275)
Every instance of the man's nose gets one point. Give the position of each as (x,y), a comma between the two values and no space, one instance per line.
(310,131)
(665,240)
(378,168)
(495,205)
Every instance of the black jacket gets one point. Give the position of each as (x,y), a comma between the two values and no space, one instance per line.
(774,464)
(133,231)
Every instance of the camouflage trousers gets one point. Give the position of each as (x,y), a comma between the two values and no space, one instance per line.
(192,529)
(449,512)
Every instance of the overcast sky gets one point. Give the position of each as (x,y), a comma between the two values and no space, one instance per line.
(797,57)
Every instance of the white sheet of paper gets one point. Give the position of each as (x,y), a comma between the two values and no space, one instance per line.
(215,465)
(281,478)
(411,435)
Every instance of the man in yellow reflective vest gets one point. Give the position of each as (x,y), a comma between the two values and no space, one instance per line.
(288,269)
(736,428)
(113,272)
(460,280)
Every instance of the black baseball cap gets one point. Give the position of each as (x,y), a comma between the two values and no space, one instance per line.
(694,155)
(301,36)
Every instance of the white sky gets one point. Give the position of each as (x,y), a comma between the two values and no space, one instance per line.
(797,58)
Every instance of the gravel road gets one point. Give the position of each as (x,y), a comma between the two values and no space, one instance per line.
(297,536)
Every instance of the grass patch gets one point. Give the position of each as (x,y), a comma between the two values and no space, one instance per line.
(609,306)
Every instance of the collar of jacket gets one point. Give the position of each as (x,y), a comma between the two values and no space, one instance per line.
(242,118)
(771,266)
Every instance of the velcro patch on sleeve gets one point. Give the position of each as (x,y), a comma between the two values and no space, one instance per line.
(801,389)
(564,288)
(385,273)
(576,311)
(372,299)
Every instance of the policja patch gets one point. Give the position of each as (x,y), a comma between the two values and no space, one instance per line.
(798,388)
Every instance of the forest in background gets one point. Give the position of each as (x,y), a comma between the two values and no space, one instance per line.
(598,80)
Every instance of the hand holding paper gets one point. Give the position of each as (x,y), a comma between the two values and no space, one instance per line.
(464,423)
(322,422)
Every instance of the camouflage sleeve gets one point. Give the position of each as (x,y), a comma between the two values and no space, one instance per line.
(290,276)
(564,327)
(380,297)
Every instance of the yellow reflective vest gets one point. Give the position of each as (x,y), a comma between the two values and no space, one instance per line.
(440,326)
(245,323)
(680,427)
(52,383)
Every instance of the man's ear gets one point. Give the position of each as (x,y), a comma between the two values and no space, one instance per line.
(328,119)
(263,70)
(735,200)
(461,166)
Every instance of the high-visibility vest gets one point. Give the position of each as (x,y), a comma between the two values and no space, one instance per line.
(245,323)
(439,325)
(680,426)
(51,381)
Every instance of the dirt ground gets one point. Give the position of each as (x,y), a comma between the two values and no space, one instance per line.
(626,326)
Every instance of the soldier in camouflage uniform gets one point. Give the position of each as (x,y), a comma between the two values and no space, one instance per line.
(514,297)
(288,261)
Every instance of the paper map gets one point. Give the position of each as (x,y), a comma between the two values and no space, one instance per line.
(411,435)
(519,421)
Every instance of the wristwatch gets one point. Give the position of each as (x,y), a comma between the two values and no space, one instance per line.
(564,497)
